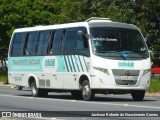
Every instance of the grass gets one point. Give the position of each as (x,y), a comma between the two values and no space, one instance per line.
(154,85)
(4,77)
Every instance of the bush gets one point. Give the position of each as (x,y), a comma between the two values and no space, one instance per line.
(4,77)
(154,86)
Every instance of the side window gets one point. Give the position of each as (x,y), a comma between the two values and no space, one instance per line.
(18,44)
(31,44)
(43,42)
(70,41)
(50,44)
(82,43)
(57,41)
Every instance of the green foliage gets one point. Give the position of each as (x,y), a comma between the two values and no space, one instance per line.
(17,13)
(4,77)
(154,86)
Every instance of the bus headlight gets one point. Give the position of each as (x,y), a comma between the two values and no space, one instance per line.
(102,70)
(146,71)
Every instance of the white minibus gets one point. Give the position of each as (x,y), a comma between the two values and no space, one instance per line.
(85,58)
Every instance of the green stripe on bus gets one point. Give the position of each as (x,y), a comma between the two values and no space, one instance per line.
(69,64)
(66,63)
(80,63)
(73,63)
(85,63)
(76,61)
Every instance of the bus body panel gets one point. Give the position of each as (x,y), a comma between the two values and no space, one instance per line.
(137,70)
(58,72)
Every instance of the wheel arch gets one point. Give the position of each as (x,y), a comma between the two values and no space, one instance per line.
(82,78)
(32,78)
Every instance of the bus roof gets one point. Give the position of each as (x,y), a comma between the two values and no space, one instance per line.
(46,27)
(92,22)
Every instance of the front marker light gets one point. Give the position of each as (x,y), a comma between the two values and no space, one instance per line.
(146,71)
(102,70)
(148,83)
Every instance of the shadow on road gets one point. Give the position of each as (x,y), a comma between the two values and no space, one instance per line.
(98,97)
(108,98)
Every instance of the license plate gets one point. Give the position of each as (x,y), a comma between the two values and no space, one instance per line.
(127,78)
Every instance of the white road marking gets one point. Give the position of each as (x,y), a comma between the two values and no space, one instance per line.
(125,104)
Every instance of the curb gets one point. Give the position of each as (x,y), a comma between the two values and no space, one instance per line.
(152,94)
(7,85)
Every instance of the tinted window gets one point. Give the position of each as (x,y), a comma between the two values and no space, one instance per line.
(56,48)
(70,41)
(82,46)
(43,42)
(18,44)
(82,42)
(32,42)
(119,43)
(50,46)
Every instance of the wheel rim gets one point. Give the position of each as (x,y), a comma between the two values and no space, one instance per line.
(86,91)
(34,91)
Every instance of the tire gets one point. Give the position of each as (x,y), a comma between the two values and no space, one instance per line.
(44,93)
(36,92)
(138,95)
(19,87)
(76,94)
(87,93)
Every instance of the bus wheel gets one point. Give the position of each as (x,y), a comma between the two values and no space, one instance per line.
(138,95)
(76,94)
(34,90)
(87,93)
(18,87)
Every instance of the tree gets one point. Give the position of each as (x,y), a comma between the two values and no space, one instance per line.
(17,13)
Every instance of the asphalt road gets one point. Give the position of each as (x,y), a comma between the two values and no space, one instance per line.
(62,106)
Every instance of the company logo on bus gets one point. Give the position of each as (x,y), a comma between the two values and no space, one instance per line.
(50,62)
(126,64)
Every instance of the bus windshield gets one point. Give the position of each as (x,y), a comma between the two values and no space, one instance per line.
(118,43)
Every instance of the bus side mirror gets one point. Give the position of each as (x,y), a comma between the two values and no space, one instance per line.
(82,35)
(149,39)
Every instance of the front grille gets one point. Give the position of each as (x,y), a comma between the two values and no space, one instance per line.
(118,72)
(126,82)
(130,75)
